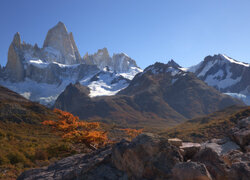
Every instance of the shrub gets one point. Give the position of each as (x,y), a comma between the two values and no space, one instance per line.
(3,160)
(41,155)
(16,157)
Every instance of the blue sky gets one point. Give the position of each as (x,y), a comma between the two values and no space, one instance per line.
(146,30)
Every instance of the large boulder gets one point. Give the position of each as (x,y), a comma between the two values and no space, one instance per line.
(241,133)
(189,149)
(190,171)
(146,157)
(213,162)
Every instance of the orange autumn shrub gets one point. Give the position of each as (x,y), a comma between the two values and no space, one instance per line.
(132,133)
(71,128)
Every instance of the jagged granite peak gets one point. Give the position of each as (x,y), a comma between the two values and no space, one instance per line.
(119,62)
(101,58)
(225,74)
(77,54)
(14,66)
(61,43)
(17,40)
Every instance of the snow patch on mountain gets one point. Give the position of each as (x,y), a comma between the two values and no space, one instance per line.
(105,83)
(216,79)
(243,97)
(234,61)
(132,72)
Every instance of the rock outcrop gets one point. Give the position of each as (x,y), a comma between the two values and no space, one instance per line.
(190,171)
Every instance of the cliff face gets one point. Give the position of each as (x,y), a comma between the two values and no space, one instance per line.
(59,47)
(61,44)
(118,62)
(15,67)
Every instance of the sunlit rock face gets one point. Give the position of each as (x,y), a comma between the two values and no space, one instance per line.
(120,62)
(60,46)
(15,65)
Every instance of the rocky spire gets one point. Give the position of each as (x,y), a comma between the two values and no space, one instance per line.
(58,40)
(17,40)
(14,64)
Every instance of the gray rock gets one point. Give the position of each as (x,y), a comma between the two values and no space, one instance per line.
(146,157)
(92,166)
(189,149)
(221,146)
(190,171)
(213,162)
(239,164)
(241,133)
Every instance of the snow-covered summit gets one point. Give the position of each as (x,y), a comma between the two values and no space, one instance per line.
(158,68)
(225,74)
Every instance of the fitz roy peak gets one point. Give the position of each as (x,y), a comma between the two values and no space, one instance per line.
(41,74)
(61,46)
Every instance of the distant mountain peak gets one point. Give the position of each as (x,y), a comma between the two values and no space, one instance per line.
(17,40)
(173,64)
(59,41)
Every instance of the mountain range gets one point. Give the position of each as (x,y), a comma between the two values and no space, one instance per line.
(162,94)
(115,87)
(41,74)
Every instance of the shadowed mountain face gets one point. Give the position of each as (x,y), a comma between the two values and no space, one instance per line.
(15,108)
(161,95)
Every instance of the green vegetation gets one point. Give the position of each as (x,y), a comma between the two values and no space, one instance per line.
(24,146)
(215,125)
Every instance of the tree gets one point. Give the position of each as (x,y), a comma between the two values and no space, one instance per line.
(71,128)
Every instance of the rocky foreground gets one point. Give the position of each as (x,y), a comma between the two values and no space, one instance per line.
(152,157)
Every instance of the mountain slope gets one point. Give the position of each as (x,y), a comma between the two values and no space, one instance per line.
(225,74)
(15,108)
(24,141)
(214,125)
(185,93)
(117,109)
(149,99)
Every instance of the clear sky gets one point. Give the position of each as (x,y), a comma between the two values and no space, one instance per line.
(146,30)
